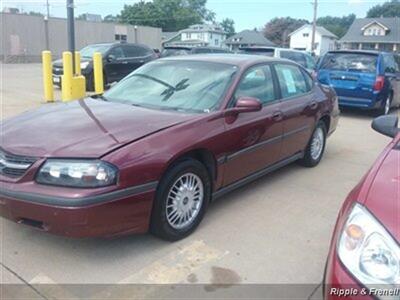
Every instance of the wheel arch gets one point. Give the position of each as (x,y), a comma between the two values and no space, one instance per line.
(203,155)
(326,119)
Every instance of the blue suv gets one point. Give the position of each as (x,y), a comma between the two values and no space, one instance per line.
(364,79)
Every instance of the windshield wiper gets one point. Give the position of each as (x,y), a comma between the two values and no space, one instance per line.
(180,86)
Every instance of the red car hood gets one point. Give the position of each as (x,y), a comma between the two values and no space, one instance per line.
(85,128)
(383,199)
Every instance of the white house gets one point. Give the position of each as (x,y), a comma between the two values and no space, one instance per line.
(373,34)
(325,40)
(199,35)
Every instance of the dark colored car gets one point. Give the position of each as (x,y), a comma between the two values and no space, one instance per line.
(119,59)
(302,58)
(181,50)
(365,248)
(363,79)
(154,150)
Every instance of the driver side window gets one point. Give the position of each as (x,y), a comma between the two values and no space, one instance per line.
(257,83)
(117,52)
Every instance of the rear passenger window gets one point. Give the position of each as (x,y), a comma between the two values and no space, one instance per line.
(291,80)
(257,83)
(136,51)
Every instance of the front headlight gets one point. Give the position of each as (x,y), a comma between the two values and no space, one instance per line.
(77,173)
(85,64)
(368,251)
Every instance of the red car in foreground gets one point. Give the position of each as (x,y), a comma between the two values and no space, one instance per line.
(155,149)
(364,258)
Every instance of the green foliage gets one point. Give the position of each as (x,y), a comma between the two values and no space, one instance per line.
(170,15)
(278,29)
(388,9)
(229,26)
(337,25)
(110,19)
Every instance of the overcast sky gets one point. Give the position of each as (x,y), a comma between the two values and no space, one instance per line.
(247,14)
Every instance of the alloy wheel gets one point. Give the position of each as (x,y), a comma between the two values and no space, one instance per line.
(317,144)
(184,201)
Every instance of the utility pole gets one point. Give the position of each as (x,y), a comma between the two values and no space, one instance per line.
(71,30)
(314,26)
(46,25)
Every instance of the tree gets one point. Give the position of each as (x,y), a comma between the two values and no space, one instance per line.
(110,19)
(170,15)
(277,30)
(337,25)
(388,9)
(229,26)
(82,17)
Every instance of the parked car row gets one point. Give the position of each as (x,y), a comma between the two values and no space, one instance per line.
(363,79)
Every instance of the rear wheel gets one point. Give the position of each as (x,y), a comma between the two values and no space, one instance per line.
(181,200)
(385,110)
(316,147)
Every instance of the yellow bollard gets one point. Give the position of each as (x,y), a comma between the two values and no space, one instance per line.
(47,77)
(78,71)
(66,80)
(73,87)
(98,73)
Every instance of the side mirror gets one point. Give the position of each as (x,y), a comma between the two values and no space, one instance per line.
(247,104)
(387,125)
(111,58)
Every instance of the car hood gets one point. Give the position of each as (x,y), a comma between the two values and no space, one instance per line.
(383,199)
(59,62)
(84,128)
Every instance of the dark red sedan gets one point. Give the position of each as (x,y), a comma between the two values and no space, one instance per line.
(153,151)
(364,259)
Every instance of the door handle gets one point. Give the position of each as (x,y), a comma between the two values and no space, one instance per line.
(313,105)
(277,116)
(125,62)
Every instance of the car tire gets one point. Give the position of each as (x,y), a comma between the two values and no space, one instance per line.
(316,147)
(90,82)
(177,201)
(386,106)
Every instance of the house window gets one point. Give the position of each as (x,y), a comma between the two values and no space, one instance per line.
(216,42)
(188,35)
(306,34)
(121,37)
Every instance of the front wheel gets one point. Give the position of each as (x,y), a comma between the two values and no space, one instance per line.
(316,147)
(181,200)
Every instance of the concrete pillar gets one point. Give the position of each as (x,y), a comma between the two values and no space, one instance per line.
(394,47)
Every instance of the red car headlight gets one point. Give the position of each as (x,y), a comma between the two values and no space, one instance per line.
(77,173)
(368,251)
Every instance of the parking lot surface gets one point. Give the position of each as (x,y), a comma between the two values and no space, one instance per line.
(274,230)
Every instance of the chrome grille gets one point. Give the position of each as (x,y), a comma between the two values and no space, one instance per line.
(14,166)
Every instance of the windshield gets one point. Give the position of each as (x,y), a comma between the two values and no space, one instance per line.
(263,52)
(174,52)
(190,86)
(88,51)
(350,62)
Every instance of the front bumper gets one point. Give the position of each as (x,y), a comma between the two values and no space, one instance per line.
(116,213)
(365,103)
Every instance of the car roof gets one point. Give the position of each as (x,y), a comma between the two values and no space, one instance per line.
(271,48)
(371,52)
(239,60)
